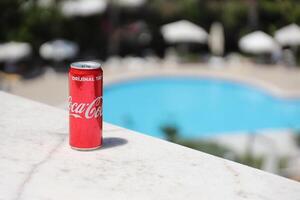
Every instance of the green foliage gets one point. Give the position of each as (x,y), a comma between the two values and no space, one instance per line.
(171,8)
(26,21)
(251,160)
(171,133)
(40,25)
(297,138)
(205,146)
(238,17)
(275,14)
(10,18)
(283,162)
(213,148)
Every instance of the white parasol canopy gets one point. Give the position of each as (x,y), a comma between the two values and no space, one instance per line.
(83,8)
(183,31)
(58,50)
(14,51)
(288,35)
(258,42)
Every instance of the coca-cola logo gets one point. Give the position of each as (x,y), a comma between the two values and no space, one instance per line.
(86,110)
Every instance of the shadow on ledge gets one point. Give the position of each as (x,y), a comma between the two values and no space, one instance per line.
(111,142)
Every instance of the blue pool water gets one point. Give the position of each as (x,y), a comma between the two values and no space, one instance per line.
(197,107)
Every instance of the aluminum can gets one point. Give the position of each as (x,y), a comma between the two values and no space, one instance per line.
(85,105)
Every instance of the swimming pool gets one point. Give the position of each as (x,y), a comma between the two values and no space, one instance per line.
(198,107)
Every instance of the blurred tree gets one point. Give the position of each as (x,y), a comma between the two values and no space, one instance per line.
(171,10)
(238,17)
(10,18)
(171,133)
(251,160)
(39,24)
(26,21)
(297,138)
(278,13)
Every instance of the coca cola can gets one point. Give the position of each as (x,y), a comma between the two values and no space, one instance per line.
(85,105)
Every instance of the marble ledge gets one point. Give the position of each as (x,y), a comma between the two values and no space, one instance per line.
(36,163)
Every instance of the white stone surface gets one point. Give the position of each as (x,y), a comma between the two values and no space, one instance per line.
(36,163)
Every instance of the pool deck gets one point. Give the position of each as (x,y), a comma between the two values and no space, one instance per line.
(281,81)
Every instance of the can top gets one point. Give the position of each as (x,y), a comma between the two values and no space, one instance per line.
(86,65)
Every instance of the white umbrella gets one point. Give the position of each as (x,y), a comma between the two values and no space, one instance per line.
(258,42)
(13,51)
(216,39)
(58,50)
(183,31)
(83,7)
(130,3)
(288,35)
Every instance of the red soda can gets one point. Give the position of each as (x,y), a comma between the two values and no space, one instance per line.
(85,105)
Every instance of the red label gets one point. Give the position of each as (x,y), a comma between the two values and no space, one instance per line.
(85,108)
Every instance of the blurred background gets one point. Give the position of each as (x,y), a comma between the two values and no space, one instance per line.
(243,39)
